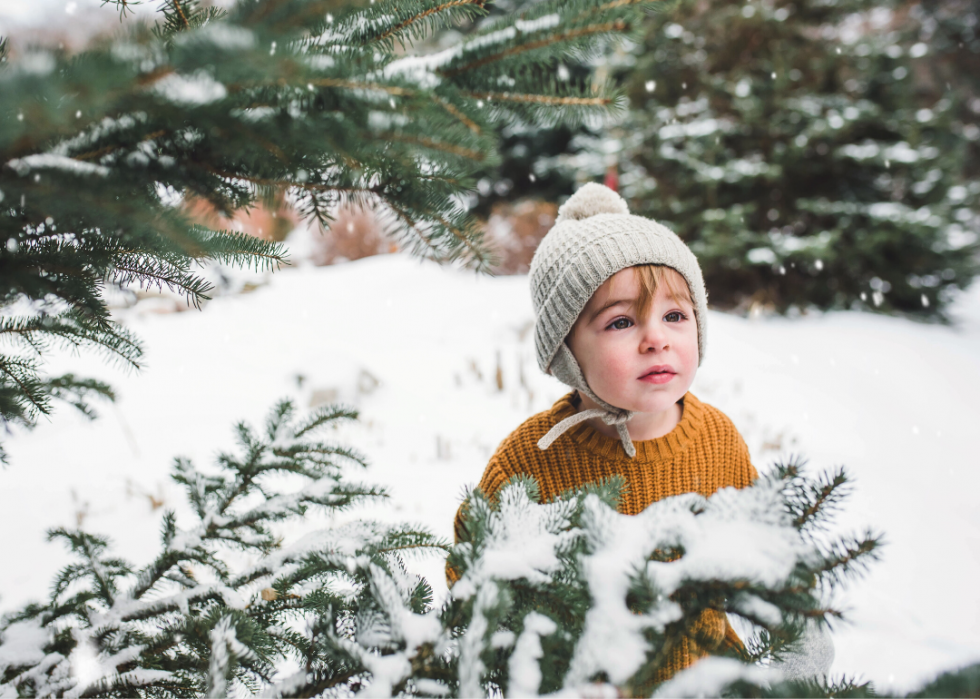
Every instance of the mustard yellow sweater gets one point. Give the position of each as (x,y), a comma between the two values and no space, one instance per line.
(703,453)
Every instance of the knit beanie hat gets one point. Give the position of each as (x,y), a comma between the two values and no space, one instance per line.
(594,237)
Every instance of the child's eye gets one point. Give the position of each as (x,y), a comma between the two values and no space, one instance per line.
(620,324)
(675,317)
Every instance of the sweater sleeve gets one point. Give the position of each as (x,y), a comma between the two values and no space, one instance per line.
(745,473)
(735,458)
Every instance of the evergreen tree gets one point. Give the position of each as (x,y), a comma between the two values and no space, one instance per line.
(270,97)
(192,622)
(551,596)
(804,152)
(951,29)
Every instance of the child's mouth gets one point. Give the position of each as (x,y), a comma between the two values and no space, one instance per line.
(658,376)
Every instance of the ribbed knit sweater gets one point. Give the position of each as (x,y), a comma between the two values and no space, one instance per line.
(703,453)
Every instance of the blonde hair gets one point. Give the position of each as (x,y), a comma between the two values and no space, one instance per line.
(651,278)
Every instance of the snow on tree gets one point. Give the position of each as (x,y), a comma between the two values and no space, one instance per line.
(552,597)
(190,622)
(811,153)
(270,98)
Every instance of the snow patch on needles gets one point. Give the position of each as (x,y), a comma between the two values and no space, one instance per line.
(23,643)
(422,70)
(344,543)
(612,640)
(525,673)
(695,129)
(53,161)
(524,541)
(742,534)
(413,629)
(710,676)
(197,89)
(539,24)
(38,63)
(225,648)
(220,34)
(757,608)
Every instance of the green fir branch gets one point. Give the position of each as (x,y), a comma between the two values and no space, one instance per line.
(418,23)
(240,250)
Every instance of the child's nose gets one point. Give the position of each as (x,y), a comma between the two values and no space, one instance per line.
(654,338)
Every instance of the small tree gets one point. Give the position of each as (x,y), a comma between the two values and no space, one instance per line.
(192,621)
(270,97)
(551,596)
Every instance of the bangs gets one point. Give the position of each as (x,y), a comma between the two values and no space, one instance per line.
(653,277)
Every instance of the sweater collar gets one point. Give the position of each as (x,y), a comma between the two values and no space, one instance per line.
(652,450)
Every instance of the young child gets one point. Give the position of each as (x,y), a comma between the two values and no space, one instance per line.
(620,317)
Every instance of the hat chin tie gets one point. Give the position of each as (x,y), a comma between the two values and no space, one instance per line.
(565,368)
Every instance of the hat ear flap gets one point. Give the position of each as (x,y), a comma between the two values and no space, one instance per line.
(566,369)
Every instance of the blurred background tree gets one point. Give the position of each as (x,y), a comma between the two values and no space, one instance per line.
(814,154)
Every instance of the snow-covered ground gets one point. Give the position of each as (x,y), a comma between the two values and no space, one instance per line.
(421,351)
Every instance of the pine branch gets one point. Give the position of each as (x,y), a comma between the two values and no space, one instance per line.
(618,26)
(426,142)
(123,5)
(452,109)
(76,392)
(106,150)
(568,563)
(180,12)
(411,225)
(614,5)
(28,397)
(102,571)
(849,556)
(72,329)
(550,100)
(465,240)
(394,90)
(824,497)
(234,248)
(425,14)
(328,415)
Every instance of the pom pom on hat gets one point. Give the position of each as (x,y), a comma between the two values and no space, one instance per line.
(589,200)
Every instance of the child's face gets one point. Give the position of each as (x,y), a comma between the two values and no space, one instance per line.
(639,364)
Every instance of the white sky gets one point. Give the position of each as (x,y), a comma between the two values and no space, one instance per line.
(37,13)
(56,20)
(50,21)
